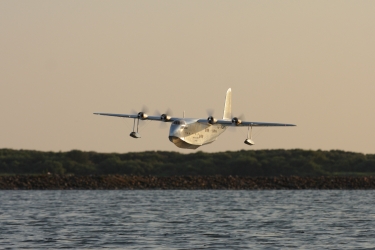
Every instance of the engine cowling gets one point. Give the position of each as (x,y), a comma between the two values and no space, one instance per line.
(211,120)
(236,121)
(165,117)
(142,115)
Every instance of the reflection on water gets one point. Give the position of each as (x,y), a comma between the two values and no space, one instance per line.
(185,219)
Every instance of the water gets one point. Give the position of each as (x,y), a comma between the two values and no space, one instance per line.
(177,219)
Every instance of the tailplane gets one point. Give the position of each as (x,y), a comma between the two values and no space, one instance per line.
(228,105)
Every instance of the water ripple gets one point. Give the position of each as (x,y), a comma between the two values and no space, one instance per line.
(186,219)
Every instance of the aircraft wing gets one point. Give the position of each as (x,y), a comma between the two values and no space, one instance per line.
(247,124)
(264,124)
(118,115)
(149,117)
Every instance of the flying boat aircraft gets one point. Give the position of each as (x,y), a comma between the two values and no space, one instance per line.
(192,133)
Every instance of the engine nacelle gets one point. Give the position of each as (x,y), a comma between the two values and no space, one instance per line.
(211,120)
(165,117)
(142,115)
(236,121)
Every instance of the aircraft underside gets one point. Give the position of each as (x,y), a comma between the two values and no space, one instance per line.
(190,134)
(181,143)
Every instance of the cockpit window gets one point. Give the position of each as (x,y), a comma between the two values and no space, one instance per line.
(179,122)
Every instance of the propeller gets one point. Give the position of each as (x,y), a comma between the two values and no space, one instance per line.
(211,119)
(166,116)
(142,114)
(145,109)
(210,111)
(238,120)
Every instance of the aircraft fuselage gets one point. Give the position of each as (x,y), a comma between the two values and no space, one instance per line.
(188,133)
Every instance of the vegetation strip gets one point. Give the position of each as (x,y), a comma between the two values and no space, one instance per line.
(161,163)
(68,182)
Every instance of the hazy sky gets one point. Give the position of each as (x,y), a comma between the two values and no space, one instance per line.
(310,63)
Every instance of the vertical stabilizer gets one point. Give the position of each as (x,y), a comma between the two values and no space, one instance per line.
(228,105)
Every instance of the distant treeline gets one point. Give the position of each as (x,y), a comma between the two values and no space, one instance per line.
(161,163)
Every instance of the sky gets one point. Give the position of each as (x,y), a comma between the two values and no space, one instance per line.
(310,63)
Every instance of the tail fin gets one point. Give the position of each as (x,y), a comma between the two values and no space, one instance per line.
(228,105)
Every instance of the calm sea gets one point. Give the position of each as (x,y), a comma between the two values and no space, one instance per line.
(177,219)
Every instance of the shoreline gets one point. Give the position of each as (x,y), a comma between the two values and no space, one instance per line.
(126,182)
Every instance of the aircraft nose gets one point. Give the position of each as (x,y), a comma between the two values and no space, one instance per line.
(174,131)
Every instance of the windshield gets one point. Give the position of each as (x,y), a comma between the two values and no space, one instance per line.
(179,122)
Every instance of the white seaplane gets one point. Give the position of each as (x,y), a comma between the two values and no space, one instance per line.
(192,133)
